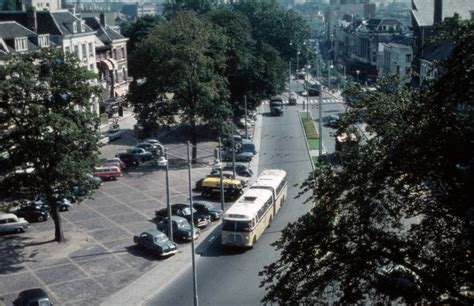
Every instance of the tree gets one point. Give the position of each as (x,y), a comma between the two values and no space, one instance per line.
(184,58)
(284,30)
(48,125)
(137,31)
(395,220)
(253,68)
(9,5)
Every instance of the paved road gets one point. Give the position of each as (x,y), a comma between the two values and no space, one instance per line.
(231,278)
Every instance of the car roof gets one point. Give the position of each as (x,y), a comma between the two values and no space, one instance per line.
(7,216)
(35,293)
(180,205)
(204,203)
(153,232)
(178,219)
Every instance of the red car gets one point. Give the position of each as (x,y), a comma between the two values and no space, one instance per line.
(107,172)
(115,161)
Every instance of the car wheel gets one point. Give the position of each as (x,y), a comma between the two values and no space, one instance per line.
(40,219)
(19,230)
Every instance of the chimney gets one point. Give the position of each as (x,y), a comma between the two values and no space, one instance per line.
(31,19)
(102,19)
(438,11)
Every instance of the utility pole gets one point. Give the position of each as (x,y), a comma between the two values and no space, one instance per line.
(221,175)
(245,106)
(196,300)
(320,112)
(233,153)
(289,80)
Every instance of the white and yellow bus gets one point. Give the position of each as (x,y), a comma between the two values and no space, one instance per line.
(246,220)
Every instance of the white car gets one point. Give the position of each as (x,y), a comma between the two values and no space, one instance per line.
(10,223)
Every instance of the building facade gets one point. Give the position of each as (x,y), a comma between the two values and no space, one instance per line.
(396,60)
(112,64)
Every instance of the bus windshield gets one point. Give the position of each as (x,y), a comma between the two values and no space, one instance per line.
(237,226)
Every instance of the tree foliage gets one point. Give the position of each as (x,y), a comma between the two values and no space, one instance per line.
(48,125)
(185,58)
(395,219)
(137,31)
(253,68)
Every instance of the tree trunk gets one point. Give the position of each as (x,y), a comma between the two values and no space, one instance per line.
(193,140)
(58,226)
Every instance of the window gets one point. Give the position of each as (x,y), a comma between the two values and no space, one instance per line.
(43,40)
(408,58)
(76,50)
(84,51)
(21,44)
(115,53)
(123,52)
(91,67)
(91,51)
(66,50)
(74,27)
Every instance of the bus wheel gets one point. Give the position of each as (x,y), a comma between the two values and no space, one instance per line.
(254,241)
(270,222)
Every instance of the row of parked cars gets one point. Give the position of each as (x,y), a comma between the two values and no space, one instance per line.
(157,239)
(19,217)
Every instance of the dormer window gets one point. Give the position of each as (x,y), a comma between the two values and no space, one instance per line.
(21,44)
(43,40)
(74,27)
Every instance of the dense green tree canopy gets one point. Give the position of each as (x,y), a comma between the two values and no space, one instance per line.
(253,68)
(49,125)
(184,58)
(395,220)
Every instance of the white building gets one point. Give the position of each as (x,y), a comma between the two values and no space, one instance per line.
(396,60)
(42,5)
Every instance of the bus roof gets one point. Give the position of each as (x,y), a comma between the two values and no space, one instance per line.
(248,205)
(269,178)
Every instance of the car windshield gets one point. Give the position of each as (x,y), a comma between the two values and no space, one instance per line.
(183,225)
(237,226)
(161,238)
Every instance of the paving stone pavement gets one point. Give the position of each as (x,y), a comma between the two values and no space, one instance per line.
(109,219)
(108,260)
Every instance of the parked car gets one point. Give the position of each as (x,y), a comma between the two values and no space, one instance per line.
(181,228)
(292,98)
(211,188)
(113,161)
(225,175)
(11,223)
(103,140)
(206,207)
(240,169)
(183,210)
(141,154)
(36,296)
(153,141)
(113,134)
(240,156)
(153,149)
(155,240)
(63,203)
(107,172)
(33,213)
(128,159)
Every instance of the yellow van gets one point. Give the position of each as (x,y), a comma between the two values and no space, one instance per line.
(211,187)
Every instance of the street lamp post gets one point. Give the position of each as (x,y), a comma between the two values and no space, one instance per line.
(320,121)
(221,175)
(245,106)
(168,206)
(196,300)
(357,72)
(296,73)
(289,79)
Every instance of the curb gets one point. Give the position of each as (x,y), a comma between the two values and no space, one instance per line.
(306,139)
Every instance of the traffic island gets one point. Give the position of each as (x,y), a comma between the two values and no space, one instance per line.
(311,135)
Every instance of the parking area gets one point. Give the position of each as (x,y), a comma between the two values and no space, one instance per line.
(99,257)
